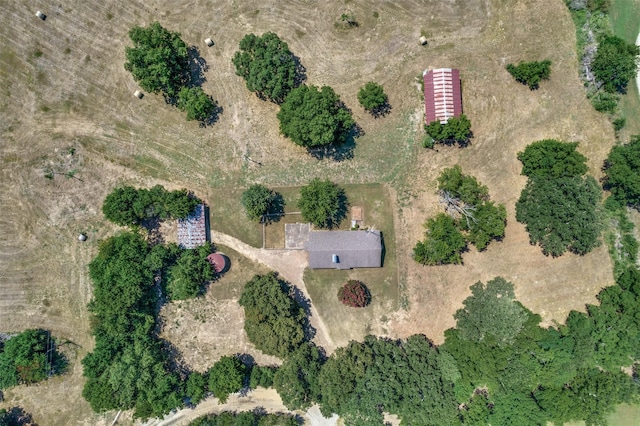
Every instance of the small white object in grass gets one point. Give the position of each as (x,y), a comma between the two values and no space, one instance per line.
(423,40)
(208,42)
(41,15)
(138,94)
(82,237)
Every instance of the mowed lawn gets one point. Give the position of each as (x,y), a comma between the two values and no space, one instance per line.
(347,323)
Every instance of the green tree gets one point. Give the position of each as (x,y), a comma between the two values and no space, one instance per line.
(491,313)
(24,358)
(622,173)
(258,200)
(615,63)
(274,321)
(550,158)
(196,387)
(323,203)
(191,273)
(530,73)
(262,376)
(489,223)
(313,117)
(197,104)
(158,60)
(267,65)
(297,379)
(226,377)
(466,188)
(443,242)
(456,130)
(372,97)
(561,214)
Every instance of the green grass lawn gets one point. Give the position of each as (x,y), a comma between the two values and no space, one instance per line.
(227,215)
(346,323)
(625,18)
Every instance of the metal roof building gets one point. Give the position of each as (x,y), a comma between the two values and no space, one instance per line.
(192,231)
(344,249)
(442,94)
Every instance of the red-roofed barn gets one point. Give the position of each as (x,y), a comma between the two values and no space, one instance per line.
(442,94)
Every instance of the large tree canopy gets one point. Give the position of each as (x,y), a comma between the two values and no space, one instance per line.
(615,63)
(191,272)
(561,214)
(274,321)
(323,203)
(530,73)
(267,65)
(258,200)
(158,60)
(443,242)
(297,379)
(491,313)
(197,104)
(622,173)
(456,130)
(226,377)
(313,117)
(550,158)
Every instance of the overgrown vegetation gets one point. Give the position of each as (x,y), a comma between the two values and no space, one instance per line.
(29,357)
(608,62)
(530,73)
(196,103)
(456,130)
(274,321)
(190,271)
(226,376)
(267,66)
(443,242)
(323,203)
(315,117)
(559,206)
(128,206)
(246,418)
(373,99)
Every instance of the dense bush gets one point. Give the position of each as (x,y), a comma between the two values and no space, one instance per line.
(372,97)
(456,130)
(314,117)
(622,173)
(354,294)
(226,377)
(246,418)
(297,379)
(262,376)
(267,66)
(24,358)
(190,274)
(128,206)
(196,103)
(274,321)
(443,242)
(550,158)
(530,73)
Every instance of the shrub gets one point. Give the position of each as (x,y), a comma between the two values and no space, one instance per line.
(530,73)
(354,294)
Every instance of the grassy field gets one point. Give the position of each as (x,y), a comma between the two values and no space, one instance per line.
(62,85)
(625,18)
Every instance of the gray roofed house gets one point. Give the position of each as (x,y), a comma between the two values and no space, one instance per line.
(344,249)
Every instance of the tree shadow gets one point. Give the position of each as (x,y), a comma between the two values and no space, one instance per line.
(175,360)
(197,67)
(382,111)
(16,416)
(152,226)
(339,152)
(301,72)
(276,209)
(216,112)
(305,304)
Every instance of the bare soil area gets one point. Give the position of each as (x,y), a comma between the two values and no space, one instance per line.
(67,109)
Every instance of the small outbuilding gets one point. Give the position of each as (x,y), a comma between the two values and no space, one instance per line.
(208,42)
(41,15)
(218,262)
(192,231)
(442,94)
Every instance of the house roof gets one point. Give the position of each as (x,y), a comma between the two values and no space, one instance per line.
(192,231)
(442,94)
(354,249)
